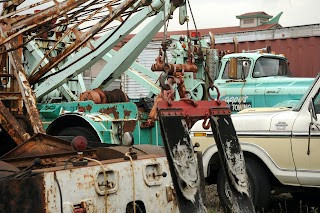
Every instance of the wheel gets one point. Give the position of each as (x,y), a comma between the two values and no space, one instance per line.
(89,134)
(259,186)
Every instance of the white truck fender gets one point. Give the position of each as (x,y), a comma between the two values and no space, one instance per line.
(285,176)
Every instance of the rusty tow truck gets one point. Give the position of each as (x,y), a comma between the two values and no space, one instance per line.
(43,54)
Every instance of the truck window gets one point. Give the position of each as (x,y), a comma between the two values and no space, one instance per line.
(305,96)
(317,103)
(266,67)
(243,67)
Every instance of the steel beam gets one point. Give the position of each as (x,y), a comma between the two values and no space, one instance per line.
(77,64)
(25,89)
(11,126)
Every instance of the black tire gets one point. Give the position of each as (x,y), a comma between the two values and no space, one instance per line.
(89,134)
(259,186)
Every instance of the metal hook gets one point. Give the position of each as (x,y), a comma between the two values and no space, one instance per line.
(162,81)
(206,123)
(218,93)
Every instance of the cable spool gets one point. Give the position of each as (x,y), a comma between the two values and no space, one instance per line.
(101,97)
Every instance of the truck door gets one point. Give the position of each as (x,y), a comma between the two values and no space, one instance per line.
(306,152)
(239,92)
(270,88)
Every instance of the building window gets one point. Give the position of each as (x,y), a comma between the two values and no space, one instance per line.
(248,21)
(263,20)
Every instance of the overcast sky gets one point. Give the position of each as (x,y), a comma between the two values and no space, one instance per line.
(222,13)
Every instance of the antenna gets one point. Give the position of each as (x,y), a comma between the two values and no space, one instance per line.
(266,49)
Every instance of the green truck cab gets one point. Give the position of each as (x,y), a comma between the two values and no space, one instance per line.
(247,80)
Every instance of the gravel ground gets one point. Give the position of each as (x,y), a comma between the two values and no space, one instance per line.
(283,203)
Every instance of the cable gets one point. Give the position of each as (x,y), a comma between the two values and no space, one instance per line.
(59,188)
(8,170)
(62,22)
(133,183)
(85,55)
(67,32)
(105,181)
(67,161)
(195,26)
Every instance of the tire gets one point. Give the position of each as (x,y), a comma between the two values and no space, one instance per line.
(89,134)
(259,186)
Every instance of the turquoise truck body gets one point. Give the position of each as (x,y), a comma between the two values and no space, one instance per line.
(106,123)
(263,80)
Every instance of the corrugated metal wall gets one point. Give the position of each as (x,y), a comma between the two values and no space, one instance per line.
(303,53)
(133,89)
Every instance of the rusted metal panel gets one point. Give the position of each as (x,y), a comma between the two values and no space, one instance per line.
(26,91)
(86,184)
(302,52)
(39,146)
(22,195)
(48,190)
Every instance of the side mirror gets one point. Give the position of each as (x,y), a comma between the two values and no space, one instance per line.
(232,72)
(312,110)
(245,64)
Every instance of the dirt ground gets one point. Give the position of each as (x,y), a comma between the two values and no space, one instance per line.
(283,203)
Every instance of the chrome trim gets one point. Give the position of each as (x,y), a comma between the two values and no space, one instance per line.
(271,134)
(310,171)
(261,134)
(305,134)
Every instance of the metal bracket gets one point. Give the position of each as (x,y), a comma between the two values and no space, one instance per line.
(175,119)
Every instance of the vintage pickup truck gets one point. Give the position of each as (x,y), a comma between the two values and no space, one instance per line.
(281,148)
(259,80)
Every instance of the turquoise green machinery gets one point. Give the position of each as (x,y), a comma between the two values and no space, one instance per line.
(54,68)
(58,91)
(236,75)
(107,122)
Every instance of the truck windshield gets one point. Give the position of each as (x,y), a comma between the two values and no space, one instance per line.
(243,67)
(266,67)
(306,94)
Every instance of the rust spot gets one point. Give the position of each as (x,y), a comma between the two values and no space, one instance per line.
(23,195)
(81,108)
(84,108)
(127,113)
(80,185)
(89,107)
(129,126)
(109,111)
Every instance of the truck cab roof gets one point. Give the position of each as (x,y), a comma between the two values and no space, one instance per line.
(255,55)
